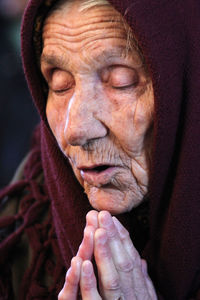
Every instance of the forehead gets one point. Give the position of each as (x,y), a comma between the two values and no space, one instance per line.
(96,34)
(76,14)
(81,7)
(78,26)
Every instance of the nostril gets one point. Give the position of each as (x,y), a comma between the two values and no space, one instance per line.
(75,135)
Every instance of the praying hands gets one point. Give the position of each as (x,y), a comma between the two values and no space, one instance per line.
(122,274)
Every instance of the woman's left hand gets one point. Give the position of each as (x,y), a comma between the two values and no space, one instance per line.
(122,273)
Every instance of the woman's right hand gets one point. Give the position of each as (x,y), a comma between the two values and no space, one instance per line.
(122,274)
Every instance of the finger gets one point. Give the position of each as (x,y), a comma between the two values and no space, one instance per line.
(122,261)
(149,283)
(92,218)
(86,248)
(127,242)
(151,289)
(117,241)
(142,283)
(88,282)
(108,275)
(70,289)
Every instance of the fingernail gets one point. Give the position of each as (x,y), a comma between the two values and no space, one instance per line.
(87,268)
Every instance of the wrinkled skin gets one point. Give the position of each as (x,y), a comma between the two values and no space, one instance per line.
(100,104)
(123,274)
(100,109)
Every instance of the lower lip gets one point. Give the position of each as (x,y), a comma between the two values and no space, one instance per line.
(98,178)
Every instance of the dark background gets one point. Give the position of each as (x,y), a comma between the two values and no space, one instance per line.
(18,116)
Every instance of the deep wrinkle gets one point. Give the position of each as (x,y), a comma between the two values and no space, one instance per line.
(97,121)
(117,56)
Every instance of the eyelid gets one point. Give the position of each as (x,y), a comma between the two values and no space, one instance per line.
(63,91)
(61,81)
(122,77)
(47,73)
(124,87)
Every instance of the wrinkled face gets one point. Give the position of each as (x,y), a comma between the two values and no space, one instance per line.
(100,104)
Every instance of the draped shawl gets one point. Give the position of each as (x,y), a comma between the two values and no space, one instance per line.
(168,32)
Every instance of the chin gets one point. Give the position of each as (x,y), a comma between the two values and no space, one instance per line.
(112,200)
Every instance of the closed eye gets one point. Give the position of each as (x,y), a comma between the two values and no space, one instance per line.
(120,77)
(62,91)
(124,87)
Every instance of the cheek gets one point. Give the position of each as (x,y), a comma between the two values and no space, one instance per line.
(131,125)
(143,118)
(143,112)
(56,120)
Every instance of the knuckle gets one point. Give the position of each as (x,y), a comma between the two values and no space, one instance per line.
(135,255)
(87,286)
(112,232)
(104,254)
(142,294)
(112,284)
(125,266)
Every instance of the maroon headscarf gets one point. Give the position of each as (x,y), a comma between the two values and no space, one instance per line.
(168,32)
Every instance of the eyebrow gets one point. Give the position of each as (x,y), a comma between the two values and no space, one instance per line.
(52,59)
(119,51)
(59,61)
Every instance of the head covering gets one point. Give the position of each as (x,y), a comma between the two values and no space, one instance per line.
(168,33)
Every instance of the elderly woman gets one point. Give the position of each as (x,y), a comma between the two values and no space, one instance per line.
(116,86)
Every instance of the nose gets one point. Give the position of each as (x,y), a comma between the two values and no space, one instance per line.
(83,120)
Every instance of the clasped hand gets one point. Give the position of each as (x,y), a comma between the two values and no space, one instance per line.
(122,274)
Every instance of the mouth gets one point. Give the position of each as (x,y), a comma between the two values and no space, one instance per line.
(98,175)
(97,169)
